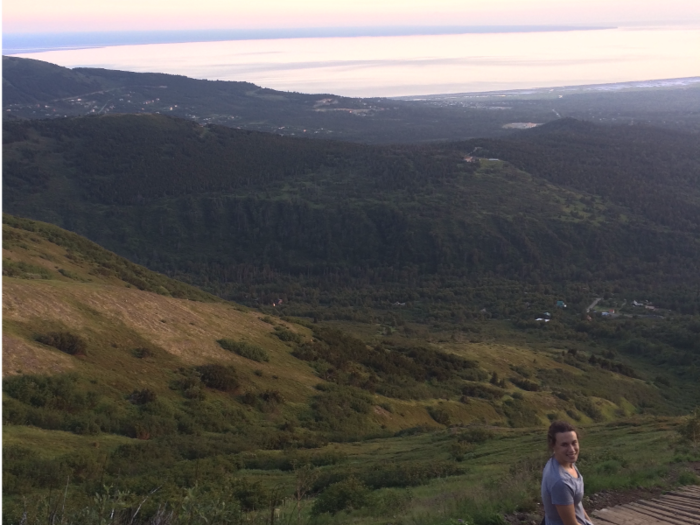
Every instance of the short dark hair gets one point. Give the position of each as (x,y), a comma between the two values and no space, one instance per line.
(557,427)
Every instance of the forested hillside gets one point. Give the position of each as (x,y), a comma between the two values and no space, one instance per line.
(33,89)
(578,208)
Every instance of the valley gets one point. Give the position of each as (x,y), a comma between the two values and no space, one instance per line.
(204,324)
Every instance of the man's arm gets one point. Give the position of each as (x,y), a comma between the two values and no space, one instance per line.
(567,514)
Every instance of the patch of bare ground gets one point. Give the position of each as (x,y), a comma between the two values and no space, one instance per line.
(23,300)
(187,329)
(382,412)
(19,357)
(111,318)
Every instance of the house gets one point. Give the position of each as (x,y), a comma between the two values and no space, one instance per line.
(561,304)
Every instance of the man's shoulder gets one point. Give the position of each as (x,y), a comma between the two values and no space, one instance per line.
(552,473)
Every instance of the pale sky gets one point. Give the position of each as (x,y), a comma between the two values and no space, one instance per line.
(35,16)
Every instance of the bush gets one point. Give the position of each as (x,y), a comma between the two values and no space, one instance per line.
(341,409)
(65,342)
(525,384)
(243,349)
(219,377)
(386,502)
(287,335)
(690,430)
(344,495)
(482,392)
(460,449)
(476,435)
(142,353)
(587,406)
(439,415)
(141,397)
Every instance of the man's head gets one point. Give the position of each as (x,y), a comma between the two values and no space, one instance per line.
(562,439)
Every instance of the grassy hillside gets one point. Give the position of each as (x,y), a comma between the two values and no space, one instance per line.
(134,385)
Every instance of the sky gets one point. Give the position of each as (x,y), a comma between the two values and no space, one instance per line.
(52,16)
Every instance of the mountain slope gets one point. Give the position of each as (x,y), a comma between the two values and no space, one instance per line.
(258,217)
(31,82)
(108,385)
(38,90)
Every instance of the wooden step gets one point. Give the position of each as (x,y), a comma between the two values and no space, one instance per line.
(678,507)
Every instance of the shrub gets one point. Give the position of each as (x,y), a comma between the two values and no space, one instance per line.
(386,502)
(476,435)
(408,474)
(243,349)
(344,495)
(439,415)
(482,391)
(587,406)
(65,342)
(287,335)
(690,430)
(141,397)
(460,449)
(142,353)
(219,377)
(341,409)
(250,495)
(525,384)
(272,396)
(573,415)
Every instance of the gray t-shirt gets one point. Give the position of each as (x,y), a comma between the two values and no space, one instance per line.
(561,488)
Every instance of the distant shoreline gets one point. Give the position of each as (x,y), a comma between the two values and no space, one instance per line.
(18,43)
(556,90)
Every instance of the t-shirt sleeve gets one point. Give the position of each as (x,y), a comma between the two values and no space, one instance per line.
(562,494)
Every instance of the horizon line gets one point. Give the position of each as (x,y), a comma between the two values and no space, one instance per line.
(38,42)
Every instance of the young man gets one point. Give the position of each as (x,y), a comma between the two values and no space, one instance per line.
(562,483)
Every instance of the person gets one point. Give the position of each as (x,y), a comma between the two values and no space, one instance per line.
(562,483)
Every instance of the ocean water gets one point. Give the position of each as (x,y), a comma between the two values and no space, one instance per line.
(415,64)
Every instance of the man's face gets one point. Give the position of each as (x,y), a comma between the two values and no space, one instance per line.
(566,447)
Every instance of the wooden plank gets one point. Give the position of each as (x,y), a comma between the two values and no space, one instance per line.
(688,502)
(673,512)
(679,507)
(602,518)
(630,516)
(618,516)
(690,489)
(658,514)
(640,518)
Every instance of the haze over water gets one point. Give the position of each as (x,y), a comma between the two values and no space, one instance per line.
(415,65)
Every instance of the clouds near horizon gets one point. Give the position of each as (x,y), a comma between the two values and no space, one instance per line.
(40,16)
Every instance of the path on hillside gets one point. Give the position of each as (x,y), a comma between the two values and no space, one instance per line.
(592,305)
(679,507)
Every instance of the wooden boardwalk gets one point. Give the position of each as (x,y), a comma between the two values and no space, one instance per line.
(680,507)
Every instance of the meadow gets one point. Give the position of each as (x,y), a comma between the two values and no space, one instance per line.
(129,397)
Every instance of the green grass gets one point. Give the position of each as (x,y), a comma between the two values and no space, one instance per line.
(135,411)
